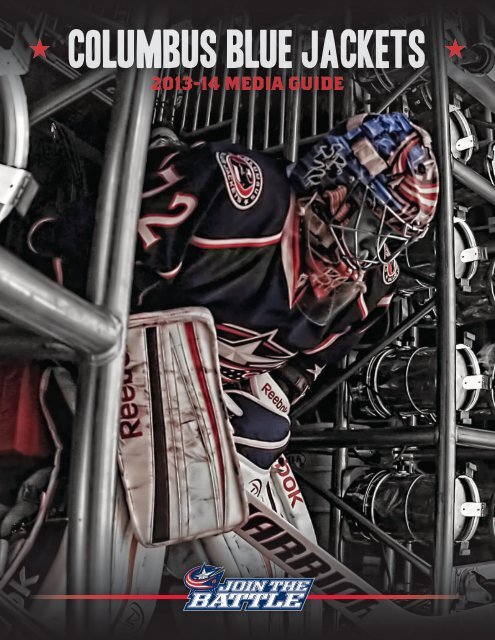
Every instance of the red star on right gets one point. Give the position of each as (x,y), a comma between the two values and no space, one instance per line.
(455,49)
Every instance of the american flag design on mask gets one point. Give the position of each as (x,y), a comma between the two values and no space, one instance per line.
(416,187)
(388,156)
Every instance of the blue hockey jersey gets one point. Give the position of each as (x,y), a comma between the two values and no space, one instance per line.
(219,228)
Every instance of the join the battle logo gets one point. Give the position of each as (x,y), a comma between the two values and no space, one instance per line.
(207,592)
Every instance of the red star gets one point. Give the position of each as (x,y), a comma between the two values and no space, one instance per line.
(39,49)
(455,49)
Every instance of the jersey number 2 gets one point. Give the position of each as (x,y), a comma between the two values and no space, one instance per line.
(182,203)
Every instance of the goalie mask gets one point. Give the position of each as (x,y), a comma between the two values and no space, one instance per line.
(366,191)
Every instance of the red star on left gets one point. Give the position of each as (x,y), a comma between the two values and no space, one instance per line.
(455,49)
(39,49)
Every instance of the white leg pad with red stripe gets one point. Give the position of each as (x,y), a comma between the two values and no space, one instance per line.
(176,450)
(241,559)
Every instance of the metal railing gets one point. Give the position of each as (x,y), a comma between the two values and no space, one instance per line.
(275,121)
(95,329)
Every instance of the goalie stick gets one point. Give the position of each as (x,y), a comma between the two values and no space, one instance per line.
(285,546)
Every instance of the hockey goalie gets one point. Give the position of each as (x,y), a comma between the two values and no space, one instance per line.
(251,276)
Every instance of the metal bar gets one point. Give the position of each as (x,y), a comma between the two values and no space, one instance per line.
(184,106)
(292,141)
(311,434)
(268,100)
(487,11)
(223,90)
(401,89)
(29,299)
(56,63)
(314,107)
(338,467)
(69,93)
(159,110)
(389,566)
(59,65)
(174,100)
(109,188)
(198,100)
(316,398)
(418,275)
(250,114)
(415,560)
(235,112)
(79,497)
(312,139)
(15,122)
(480,28)
(331,102)
(66,70)
(40,24)
(349,102)
(408,574)
(379,437)
(22,344)
(251,106)
(107,402)
(213,72)
(283,98)
(366,101)
(275,149)
(483,123)
(348,97)
(446,328)
(473,181)
(480,87)
(339,464)
(489,120)
(465,453)
(468,437)
(482,144)
(80,475)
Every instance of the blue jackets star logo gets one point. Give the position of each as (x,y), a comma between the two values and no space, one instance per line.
(204,577)
(244,353)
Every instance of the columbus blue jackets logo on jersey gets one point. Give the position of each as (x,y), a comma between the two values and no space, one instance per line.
(243,178)
(204,577)
(390,269)
(390,272)
(244,353)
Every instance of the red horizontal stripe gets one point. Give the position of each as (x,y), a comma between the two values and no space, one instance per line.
(115,596)
(235,243)
(315,596)
(381,596)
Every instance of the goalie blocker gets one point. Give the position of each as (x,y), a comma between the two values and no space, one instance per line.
(176,453)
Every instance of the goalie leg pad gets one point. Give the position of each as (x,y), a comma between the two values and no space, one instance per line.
(240,559)
(40,567)
(176,452)
(135,570)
